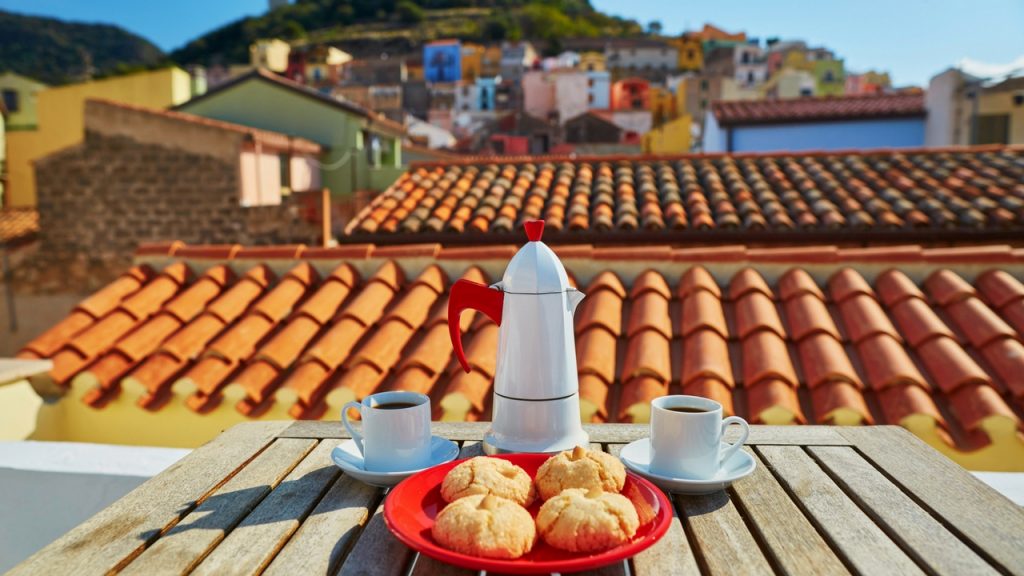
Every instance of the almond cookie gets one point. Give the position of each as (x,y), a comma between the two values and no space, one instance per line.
(485,525)
(580,520)
(580,468)
(483,475)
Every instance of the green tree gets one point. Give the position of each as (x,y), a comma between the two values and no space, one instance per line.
(409,13)
(654,28)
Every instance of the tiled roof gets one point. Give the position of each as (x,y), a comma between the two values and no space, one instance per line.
(18,225)
(853,107)
(980,190)
(265,136)
(376,118)
(776,335)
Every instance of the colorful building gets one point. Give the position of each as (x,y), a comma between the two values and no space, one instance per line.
(271,54)
(324,63)
(599,87)
(630,94)
(592,61)
(442,61)
(641,56)
(963,110)
(691,52)
(830,77)
(790,83)
(713,37)
(558,95)
(60,120)
(365,151)
(671,137)
(821,123)
(472,61)
(870,82)
(19,94)
(663,105)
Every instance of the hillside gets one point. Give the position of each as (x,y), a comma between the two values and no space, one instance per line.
(54,51)
(367,27)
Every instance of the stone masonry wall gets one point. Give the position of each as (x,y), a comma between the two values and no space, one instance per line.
(106,196)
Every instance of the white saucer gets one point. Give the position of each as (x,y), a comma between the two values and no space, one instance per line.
(347,457)
(637,457)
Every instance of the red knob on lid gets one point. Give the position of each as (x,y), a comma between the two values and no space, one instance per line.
(534,229)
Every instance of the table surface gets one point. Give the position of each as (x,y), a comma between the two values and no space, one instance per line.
(265,498)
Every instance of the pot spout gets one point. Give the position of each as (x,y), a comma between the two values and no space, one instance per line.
(572,300)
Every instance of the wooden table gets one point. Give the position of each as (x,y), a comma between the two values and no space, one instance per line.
(264,497)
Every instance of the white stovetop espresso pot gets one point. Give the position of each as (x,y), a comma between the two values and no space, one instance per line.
(536,390)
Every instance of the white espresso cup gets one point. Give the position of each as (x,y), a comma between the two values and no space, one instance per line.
(396,431)
(688,444)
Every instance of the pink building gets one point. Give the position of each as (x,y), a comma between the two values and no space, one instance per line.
(558,95)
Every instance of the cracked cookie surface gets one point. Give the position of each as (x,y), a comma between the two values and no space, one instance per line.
(485,525)
(483,475)
(581,520)
(580,468)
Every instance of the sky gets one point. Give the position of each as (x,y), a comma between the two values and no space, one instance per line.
(911,39)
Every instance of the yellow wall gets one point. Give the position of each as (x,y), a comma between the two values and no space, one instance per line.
(592,61)
(27,90)
(691,53)
(669,138)
(991,103)
(472,61)
(60,112)
(662,104)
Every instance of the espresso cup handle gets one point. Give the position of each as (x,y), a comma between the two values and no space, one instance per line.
(739,443)
(356,436)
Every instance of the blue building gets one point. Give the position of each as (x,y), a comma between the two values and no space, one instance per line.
(487,88)
(824,123)
(599,86)
(442,61)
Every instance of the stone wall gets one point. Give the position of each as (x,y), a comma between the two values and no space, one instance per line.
(107,195)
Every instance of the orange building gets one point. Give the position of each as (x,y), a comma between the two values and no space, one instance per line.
(631,94)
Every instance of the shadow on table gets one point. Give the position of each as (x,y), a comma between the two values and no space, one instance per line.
(325,488)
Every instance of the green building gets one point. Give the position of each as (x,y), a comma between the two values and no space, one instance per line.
(830,76)
(363,148)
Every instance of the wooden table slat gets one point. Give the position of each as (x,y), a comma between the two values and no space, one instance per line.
(854,535)
(724,544)
(987,520)
(113,535)
(600,433)
(377,551)
(914,528)
(324,539)
(250,547)
(188,542)
(794,544)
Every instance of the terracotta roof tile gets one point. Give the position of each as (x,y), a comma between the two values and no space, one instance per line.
(703,310)
(304,343)
(706,355)
(949,365)
(886,363)
(806,314)
(840,403)
(824,360)
(774,402)
(766,357)
(819,109)
(776,195)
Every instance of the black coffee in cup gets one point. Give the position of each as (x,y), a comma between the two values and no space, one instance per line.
(394,406)
(687,410)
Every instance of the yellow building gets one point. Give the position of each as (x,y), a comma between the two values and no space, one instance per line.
(472,61)
(672,137)
(662,104)
(592,62)
(19,98)
(691,52)
(60,113)
(271,54)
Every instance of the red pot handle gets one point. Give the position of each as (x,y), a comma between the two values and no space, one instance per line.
(470,295)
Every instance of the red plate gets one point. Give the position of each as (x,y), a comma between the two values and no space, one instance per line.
(410,509)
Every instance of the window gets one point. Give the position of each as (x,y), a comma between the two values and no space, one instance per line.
(993,129)
(703,85)
(806,92)
(689,55)
(829,76)
(11,100)
(745,58)
(703,104)
(284,159)
(1018,99)
(750,77)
